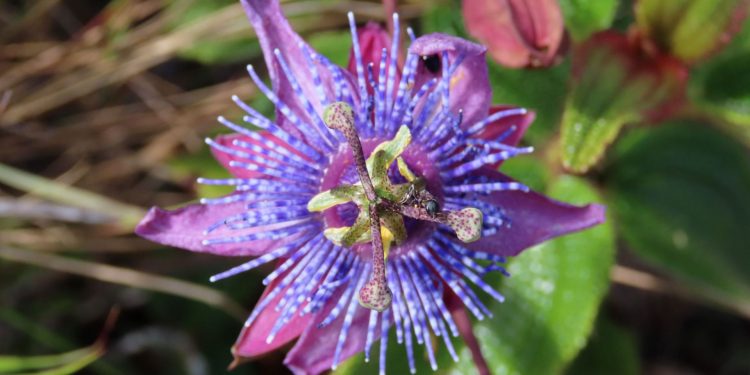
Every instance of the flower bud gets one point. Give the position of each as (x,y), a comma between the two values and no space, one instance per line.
(518,33)
(690,30)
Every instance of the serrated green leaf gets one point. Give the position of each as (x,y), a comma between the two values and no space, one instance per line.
(583,17)
(611,350)
(552,298)
(680,194)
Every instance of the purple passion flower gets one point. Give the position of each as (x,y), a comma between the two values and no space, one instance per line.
(406,151)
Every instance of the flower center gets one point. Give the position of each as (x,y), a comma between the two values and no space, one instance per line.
(383,204)
(342,171)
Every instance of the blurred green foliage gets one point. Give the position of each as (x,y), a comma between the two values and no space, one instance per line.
(679,193)
(583,18)
(611,350)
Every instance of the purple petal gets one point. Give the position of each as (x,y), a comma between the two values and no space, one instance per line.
(470,87)
(534,219)
(372,40)
(224,158)
(184,228)
(252,339)
(274,32)
(315,349)
(519,124)
(463,323)
(228,141)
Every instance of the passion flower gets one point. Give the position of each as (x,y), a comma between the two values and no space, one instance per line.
(376,192)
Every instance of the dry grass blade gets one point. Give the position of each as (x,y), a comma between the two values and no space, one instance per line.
(127,215)
(62,238)
(161,46)
(29,209)
(127,277)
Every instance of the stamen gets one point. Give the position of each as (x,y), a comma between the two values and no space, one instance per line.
(380,98)
(263,259)
(400,311)
(371,325)
(341,266)
(484,160)
(313,68)
(348,318)
(476,128)
(393,63)
(272,128)
(317,138)
(346,297)
(357,55)
(396,307)
(325,133)
(487,187)
(458,286)
(385,326)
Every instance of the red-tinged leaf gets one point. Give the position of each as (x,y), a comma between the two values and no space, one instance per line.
(690,30)
(615,82)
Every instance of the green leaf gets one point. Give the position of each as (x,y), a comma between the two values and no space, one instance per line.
(540,90)
(444,18)
(584,17)
(127,216)
(611,350)
(552,297)
(201,163)
(680,194)
(211,49)
(613,85)
(335,45)
(529,169)
(57,364)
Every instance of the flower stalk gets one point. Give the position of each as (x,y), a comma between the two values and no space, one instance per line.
(375,294)
(467,223)
(339,116)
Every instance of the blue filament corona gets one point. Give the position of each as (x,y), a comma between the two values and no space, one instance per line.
(285,164)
